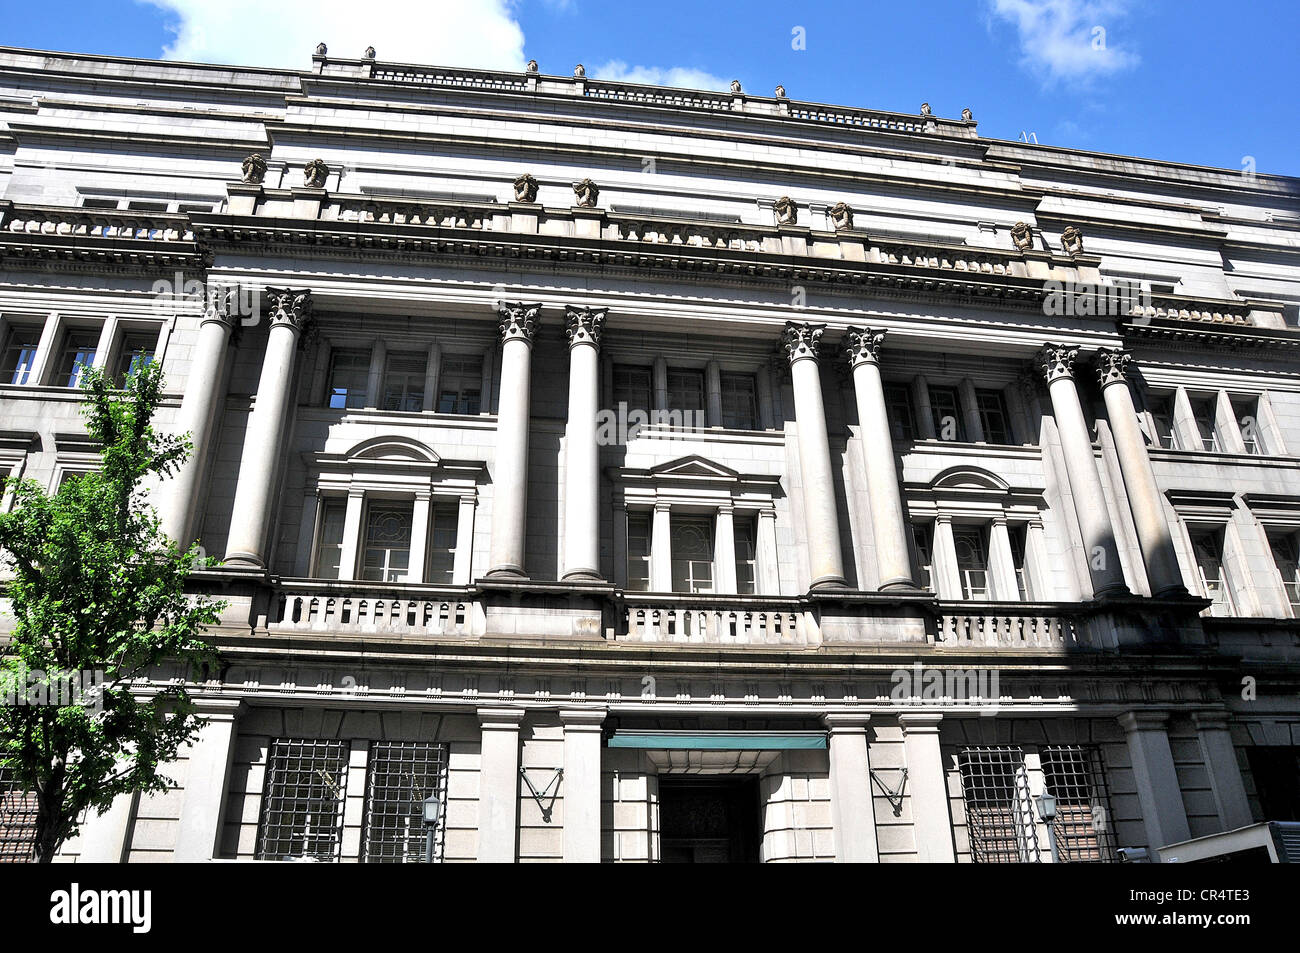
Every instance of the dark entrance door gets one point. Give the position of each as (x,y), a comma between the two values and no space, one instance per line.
(709,821)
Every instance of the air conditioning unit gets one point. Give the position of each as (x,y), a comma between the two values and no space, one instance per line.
(1272,842)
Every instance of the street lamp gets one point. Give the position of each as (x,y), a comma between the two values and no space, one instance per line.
(1047,811)
(432,809)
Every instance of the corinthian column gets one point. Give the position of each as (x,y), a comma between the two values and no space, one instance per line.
(519,323)
(888,520)
(1057,364)
(581,455)
(197,417)
(821,518)
(290,318)
(1139,479)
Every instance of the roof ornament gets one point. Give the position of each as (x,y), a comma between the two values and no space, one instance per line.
(925,109)
(780,92)
(842,216)
(967,115)
(735,86)
(1022,236)
(254,168)
(580,70)
(314,174)
(370,53)
(587,192)
(787,213)
(526,188)
(1072,241)
(321,49)
(532,66)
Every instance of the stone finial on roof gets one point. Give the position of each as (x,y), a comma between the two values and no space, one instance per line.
(925,109)
(787,213)
(532,66)
(587,192)
(370,53)
(780,92)
(967,115)
(580,70)
(735,86)
(321,49)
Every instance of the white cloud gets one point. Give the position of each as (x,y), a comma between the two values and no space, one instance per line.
(1069,39)
(283,33)
(682,77)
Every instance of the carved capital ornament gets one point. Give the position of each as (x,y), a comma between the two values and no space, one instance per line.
(800,340)
(1055,361)
(584,325)
(862,345)
(291,307)
(519,322)
(1112,366)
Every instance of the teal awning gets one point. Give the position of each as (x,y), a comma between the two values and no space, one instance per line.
(719,740)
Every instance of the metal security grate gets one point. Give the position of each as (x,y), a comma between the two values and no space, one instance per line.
(302,808)
(999,809)
(1075,775)
(17,821)
(401,776)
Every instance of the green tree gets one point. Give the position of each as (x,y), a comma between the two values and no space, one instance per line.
(97,588)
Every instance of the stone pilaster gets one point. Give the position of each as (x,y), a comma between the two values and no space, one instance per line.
(583,327)
(1056,362)
(1144,495)
(518,326)
(852,809)
(821,516)
(291,320)
(888,516)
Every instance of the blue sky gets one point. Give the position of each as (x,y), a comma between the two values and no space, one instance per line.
(1188,80)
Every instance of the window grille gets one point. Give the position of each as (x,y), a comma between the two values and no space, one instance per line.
(302,807)
(400,777)
(632,386)
(1000,812)
(17,821)
(1084,830)
(685,390)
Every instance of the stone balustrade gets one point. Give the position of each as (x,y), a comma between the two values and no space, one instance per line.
(362,609)
(704,620)
(1001,628)
(47,220)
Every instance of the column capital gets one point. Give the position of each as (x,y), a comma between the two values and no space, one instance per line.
(800,340)
(584,325)
(1211,719)
(1055,361)
(1132,721)
(292,307)
(847,722)
(501,719)
(862,345)
(920,723)
(519,321)
(221,307)
(1112,366)
(579,719)
(218,709)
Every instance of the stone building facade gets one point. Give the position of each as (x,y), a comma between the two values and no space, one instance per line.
(662,475)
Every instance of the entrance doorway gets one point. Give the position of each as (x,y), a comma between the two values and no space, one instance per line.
(709,820)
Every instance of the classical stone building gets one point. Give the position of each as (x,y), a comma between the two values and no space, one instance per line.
(657,475)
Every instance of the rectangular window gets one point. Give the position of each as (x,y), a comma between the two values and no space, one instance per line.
(739,402)
(386,554)
(632,386)
(1276,770)
(404,381)
(1246,410)
(460,384)
(17,821)
(1287,559)
(19,355)
(77,354)
(329,545)
(1083,827)
(685,390)
(946,408)
(302,803)
(921,540)
(902,417)
(1207,546)
(972,561)
(746,556)
(638,552)
(1203,411)
(994,418)
(349,374)
(1024,588)
(692,549)
(442,542)
(401,775)
(136,351)
(1000,812)
(1161,408)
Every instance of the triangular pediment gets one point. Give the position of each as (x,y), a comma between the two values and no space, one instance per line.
(695,467)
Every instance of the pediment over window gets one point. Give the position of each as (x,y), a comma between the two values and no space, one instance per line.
(968,478)
(394,449)
(694,467)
